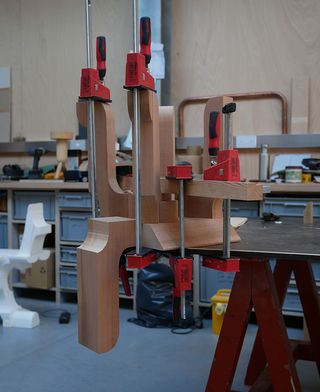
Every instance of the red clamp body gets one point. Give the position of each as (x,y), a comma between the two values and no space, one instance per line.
(91,86)
(179,172)
(227,167)
(225,265)
(137,74)
(182,269)
(125,281)
(145,258)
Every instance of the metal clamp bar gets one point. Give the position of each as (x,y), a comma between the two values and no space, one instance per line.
(90,114)
(136,138)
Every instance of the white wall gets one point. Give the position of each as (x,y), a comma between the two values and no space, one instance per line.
(44,43)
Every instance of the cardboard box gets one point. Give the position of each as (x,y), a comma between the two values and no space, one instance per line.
(41,275)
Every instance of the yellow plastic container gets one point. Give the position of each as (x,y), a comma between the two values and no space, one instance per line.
(219,305)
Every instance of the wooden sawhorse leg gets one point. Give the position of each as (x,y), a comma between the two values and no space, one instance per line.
(257,363)
(310,302)
(254,286)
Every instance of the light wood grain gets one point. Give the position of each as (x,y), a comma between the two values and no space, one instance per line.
(113,201)
(167,138)
(44,43)
(98,274)
(216,189)
(198,232)
(300,105)
(243,46)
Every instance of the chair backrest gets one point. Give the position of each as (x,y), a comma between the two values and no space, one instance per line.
(35,231)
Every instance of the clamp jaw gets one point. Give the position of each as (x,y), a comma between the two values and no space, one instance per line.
(92,85)
(227,168)
(137,72)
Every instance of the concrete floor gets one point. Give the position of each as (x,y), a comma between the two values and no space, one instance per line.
(49,359)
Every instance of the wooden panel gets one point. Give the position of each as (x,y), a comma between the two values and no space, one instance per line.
(300,105)
(44,42)
(217,189)
(198,232)
(240,46)
(113,201)
(167,138)
(98,272)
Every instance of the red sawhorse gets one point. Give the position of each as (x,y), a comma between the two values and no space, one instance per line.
(255,286)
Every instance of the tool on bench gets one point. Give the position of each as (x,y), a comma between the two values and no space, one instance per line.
(137,78)
(92,89)
(35,173)
(181,265)
(226,169)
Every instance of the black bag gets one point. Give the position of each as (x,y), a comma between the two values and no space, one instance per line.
(154,298)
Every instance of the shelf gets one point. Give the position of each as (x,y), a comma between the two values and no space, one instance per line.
(68,290)
(74,243)
(23,221)
(22,285)
(2,213)
(65,264)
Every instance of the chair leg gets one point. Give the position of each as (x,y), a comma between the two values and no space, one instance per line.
(12,314)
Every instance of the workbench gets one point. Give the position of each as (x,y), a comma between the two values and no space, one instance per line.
(293,245)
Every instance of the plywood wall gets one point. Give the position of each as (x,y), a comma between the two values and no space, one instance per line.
(44,43)
(235,46)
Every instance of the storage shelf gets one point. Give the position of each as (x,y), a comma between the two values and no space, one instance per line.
(22,285)
(23,221)
(75,243)
(2,213)
(68,290)
(66,264)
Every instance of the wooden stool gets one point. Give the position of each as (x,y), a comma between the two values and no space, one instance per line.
(62,139)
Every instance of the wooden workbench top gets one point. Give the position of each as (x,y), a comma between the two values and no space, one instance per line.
(43,185)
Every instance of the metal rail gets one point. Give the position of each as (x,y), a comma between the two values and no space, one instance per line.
(90,114)
(237,97)
(136,136)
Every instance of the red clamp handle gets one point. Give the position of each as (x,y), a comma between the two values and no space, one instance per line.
(124,279)
(145,38)
(101,56)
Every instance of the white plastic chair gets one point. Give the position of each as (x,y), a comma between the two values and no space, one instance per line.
(31,250)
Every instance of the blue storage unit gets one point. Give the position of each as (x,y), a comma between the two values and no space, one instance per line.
(68,278)
(245,209)
(74,225)
(21,200)
(211,281)
(74,200)
(290,206)
(3,232)
(68,254)
(292,301)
